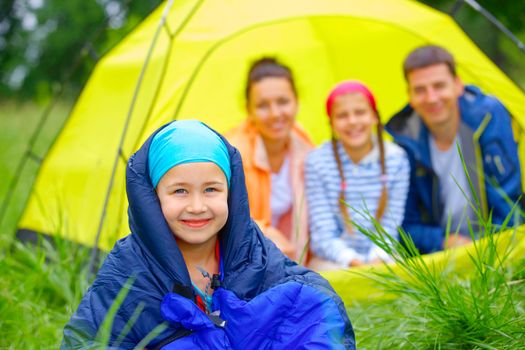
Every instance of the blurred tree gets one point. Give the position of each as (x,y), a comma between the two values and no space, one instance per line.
(10,33)
(64,27)
(42,41)
(510,13)
(491,40)
(45,39)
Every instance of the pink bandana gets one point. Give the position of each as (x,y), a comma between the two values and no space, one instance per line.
(347,87)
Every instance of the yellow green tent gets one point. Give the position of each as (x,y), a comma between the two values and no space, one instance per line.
(189,59)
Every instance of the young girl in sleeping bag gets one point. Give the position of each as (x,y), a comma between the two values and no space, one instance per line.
(201,271)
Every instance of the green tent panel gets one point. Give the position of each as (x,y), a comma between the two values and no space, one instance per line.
(189,59)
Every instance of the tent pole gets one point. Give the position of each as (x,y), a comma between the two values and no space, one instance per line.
(95,250)
(457,6)
(494,21)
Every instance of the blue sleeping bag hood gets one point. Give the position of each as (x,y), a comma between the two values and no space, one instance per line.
(263,300)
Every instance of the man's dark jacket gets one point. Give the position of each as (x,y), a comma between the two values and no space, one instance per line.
(491,155)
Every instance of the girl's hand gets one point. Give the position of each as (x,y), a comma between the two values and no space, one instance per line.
(355,262)
(456,240)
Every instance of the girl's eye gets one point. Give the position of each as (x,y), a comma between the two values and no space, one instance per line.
(180,191)
(210,189)
(360,112)
(283,101)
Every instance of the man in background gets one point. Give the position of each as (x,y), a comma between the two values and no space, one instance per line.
(444,121)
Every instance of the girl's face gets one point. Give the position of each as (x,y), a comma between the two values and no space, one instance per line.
(194,201)
(353,120)
(272,106)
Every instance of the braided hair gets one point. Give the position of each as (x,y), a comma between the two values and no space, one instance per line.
(343,88)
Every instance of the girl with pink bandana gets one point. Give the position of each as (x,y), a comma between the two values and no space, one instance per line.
(352,177)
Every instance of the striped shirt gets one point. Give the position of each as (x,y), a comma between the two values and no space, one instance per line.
(329,239)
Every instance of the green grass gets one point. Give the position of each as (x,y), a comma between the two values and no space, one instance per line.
(18,124)
(437,309)
(40,286)
(18,121)
(479,304)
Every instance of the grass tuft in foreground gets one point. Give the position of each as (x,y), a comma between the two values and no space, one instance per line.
(472,300)
(40,287)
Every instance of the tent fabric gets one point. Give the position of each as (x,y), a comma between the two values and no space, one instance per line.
(189,60)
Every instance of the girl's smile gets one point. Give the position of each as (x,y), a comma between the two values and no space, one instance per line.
(194,201)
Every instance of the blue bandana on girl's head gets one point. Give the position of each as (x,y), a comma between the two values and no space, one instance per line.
(186,141)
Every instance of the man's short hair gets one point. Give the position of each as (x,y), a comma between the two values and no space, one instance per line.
(428,55)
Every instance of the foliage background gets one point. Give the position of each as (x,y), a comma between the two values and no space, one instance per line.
(496,45)
(45,44)
(41,41)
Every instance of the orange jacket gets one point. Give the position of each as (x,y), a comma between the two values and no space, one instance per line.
(293,225)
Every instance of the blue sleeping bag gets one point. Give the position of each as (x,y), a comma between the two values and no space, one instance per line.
(263,301)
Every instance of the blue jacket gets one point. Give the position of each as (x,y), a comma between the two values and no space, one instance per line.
(491,155)
(267,300)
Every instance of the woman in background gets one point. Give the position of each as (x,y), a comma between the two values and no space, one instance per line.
(351,177)
(273,148)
